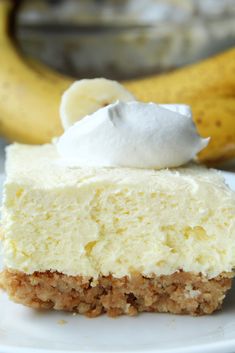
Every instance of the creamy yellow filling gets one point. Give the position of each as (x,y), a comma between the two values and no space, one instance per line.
(108,220)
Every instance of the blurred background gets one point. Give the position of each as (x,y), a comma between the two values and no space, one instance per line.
(123,39)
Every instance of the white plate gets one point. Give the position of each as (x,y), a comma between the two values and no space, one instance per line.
(23,330)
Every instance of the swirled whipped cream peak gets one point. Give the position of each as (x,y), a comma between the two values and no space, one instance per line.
(132,134)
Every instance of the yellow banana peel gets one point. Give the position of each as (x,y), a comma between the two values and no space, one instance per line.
(30,95)
(215,117)
(209,78)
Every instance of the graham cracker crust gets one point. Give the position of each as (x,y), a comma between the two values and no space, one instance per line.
(179,293)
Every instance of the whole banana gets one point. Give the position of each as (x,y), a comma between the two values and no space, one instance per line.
(30,95)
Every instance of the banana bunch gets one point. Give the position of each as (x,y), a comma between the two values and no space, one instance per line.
(30,95)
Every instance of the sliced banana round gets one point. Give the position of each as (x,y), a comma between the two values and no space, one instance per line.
(86,96)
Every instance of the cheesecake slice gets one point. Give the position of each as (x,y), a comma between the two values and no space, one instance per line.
(116,240)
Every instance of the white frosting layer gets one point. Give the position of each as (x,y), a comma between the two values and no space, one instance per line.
(132,134)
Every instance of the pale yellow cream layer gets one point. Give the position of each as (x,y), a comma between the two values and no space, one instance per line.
(91,221)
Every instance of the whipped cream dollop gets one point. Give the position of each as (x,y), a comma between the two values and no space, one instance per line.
(132,134)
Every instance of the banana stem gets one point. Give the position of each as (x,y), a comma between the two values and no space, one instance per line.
(5,10)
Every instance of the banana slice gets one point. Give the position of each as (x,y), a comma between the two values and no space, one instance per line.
(88,95)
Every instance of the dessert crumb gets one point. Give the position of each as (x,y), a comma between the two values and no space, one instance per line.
(62,322)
